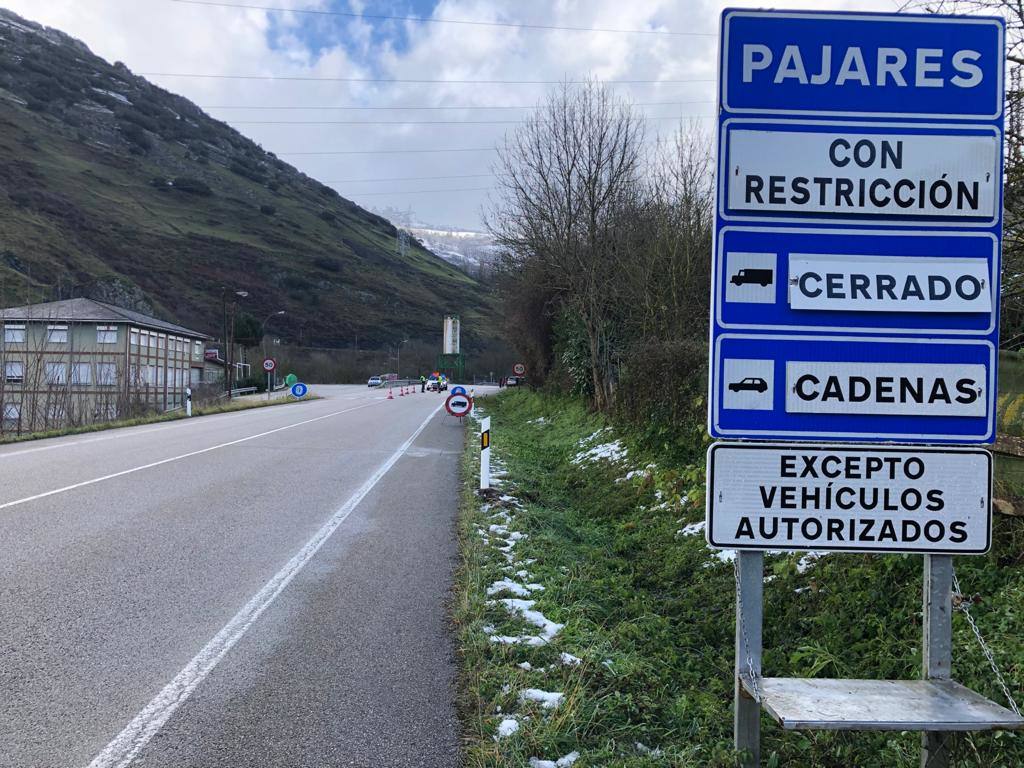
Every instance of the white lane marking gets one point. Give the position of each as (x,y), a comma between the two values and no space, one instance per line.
(152,464)
(126,745)
(123,432)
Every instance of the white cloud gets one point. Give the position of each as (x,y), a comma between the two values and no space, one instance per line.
(165,36)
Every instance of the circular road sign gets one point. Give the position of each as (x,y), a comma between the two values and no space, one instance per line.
(269,364)
(458,405)
(458,390)
(290,379)
(518,369)
(299,390)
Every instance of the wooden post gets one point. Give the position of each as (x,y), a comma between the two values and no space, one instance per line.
(749,617)
(937,649)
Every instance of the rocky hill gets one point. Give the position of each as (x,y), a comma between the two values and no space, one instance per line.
(115,189)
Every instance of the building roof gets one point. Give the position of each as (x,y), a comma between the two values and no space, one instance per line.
(90,311)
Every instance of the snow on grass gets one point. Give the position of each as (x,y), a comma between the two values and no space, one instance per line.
(524,609)
(613,451)
(643,749)
(562,762)
(506,728)
(540,420)
(692,529)
(635,473)
(513,587)
(546,699)
(569,660)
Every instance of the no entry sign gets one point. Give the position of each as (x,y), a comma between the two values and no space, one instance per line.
(458,405)
(847,497)
(858,227)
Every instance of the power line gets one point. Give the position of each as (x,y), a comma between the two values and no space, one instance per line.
(429,20)
(458,106)
(305,78)
(427,122)
(388,151)
(422,191)
(413,178)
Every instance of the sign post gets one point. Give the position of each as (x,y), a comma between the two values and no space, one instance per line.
(855,298)
(269,364)
(485,453)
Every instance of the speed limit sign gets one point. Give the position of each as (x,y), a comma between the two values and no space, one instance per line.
(518,369)
(269,364)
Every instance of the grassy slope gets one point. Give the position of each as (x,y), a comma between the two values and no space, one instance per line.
(78,207)
(659,608)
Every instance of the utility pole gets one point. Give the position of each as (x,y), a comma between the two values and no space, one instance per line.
(263,341)
(229,332)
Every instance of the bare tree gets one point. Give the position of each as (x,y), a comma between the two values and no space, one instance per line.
(566,179)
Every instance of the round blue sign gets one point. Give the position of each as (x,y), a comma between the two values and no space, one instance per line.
(458,390)
(299,389)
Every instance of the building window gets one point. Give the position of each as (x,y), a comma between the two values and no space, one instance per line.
(11,414)
(106,334)
(197,349)
(106,374)
(14,372)
(56,373)
(57,334)
(135,337)
(81,373)
(14,334)
(152,341)
(161,341)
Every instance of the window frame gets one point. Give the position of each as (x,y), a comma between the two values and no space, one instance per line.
(9,327)
(103,333)
(58,328)
(8,379)
(50,366)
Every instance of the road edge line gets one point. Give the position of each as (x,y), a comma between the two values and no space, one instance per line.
(124,747)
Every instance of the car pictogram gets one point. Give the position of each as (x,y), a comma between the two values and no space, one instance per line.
(749,384)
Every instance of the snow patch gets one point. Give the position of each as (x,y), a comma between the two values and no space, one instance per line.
(569,660)
(506,728)
(805,562)
(514,587)
(562,762)
(547,699)
(613,451)
(692,529)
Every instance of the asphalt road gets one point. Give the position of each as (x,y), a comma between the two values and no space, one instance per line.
(265,588)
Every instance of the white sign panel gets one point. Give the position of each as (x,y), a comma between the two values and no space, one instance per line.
(892,389)
(888,284)
(849,497)
(846,172)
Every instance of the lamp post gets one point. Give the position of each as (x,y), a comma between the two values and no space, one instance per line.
(263,341)
(229,329)
(398,361)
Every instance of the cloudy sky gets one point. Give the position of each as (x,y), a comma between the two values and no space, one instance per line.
(327,84)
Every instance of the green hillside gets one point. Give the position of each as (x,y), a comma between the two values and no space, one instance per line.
(115,189)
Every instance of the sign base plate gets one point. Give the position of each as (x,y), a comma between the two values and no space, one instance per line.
(880,705)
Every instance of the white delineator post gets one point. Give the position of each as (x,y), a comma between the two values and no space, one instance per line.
(485,453)
(188,401)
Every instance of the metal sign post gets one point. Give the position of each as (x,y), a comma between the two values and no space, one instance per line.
(855,297)
(485,453)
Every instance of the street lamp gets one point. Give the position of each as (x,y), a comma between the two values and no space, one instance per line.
(398,362)
(263,341)
(263,330)
(229,329)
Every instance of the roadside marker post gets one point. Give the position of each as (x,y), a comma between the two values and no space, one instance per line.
(855,298)
(485,453)
(188,401)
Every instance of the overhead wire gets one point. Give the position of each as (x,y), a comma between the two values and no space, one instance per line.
(415,81)
(431,20)
(424,107)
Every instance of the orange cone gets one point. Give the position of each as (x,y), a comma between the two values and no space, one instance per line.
(390,396)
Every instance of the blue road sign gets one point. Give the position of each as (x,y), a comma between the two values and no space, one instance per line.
(855,290)
(458,390)
(299,390)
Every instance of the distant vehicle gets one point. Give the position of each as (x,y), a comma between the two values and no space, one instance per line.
(511,381)
(762,277)
(749,384)
(375,381)
(435,384)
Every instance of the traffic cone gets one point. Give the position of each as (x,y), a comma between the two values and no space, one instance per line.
(401,392)
(390,396)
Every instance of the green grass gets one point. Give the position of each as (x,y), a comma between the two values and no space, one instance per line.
(650,612)
(156,418)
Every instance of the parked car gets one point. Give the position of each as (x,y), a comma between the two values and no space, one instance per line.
(375,381)
(512,381)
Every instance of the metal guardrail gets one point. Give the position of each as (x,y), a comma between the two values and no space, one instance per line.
(237,392)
